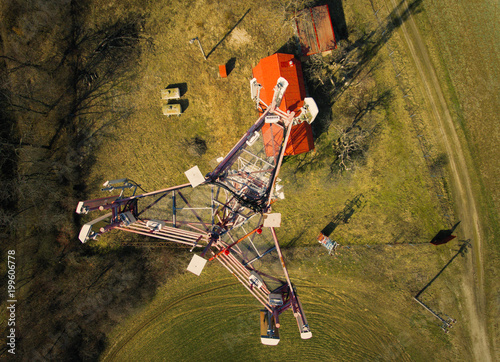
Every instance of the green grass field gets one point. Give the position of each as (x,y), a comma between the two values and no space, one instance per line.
(360,304)
(465,47)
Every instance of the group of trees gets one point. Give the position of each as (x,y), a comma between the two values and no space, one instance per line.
(350,103)
(348,73)
(63,83)
(355,136)
(65,76)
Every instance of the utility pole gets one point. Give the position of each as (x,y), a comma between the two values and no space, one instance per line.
(199,44)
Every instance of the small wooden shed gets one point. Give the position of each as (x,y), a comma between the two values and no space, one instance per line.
(315,31)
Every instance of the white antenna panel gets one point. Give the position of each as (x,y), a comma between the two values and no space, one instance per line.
(279,90)
(311,108)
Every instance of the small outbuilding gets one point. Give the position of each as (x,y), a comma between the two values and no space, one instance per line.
(172,109)
(267,73)
(315,30)
(170,93)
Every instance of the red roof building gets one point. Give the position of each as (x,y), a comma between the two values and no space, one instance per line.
(301,139)
(278,65)
(267,73)
(315,31)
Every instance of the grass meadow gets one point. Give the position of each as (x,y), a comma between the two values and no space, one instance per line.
(359,304)
(465,48)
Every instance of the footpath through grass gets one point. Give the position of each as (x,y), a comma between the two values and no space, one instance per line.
(468,67)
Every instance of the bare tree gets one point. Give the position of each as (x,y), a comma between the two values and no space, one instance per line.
(59,97)
(352,143)
(354,138)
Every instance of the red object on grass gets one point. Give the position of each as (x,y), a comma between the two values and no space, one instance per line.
(223,71)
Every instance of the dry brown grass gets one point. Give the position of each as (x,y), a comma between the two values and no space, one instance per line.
(150,145)
(364,285)
(397,204)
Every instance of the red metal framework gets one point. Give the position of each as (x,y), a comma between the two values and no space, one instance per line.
(228,216)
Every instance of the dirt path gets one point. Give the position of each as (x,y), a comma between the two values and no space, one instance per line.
(473,285)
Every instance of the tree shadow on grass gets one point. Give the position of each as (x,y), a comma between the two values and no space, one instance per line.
(294,240)
(344,215)
(327,78)
(353,141)
(351,60)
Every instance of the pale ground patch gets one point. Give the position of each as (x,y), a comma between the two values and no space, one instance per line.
(239,37)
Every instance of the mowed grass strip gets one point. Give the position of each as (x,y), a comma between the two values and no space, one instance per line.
(465,48)
(354,312)
(176,292)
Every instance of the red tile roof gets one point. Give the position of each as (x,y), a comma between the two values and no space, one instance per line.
(267,73)
(278,65)
(300,141)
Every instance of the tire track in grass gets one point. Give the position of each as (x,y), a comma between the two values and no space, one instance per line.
(347,327)
(464,197)
(115,350)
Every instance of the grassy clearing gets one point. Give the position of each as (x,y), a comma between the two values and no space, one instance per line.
(356,313)
(359,305)
(468,65)
(398,205)
(152,147)
(466,52)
